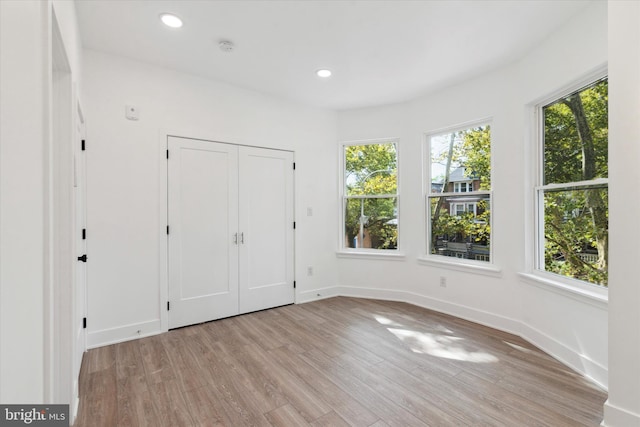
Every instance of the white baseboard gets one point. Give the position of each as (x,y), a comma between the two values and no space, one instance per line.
(618,417)
(123,333)
(317,294)
(478,316)
(580,363)
(568,356)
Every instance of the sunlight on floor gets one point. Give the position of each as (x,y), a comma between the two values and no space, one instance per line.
(439,345)
(385,321)
(447,347)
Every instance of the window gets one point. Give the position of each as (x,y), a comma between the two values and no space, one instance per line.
(459,209)
(572,191)
(459,225)
(462,187)
(370,195)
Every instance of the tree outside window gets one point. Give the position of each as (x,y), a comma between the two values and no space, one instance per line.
(459,194)
(371,196)
(573,214)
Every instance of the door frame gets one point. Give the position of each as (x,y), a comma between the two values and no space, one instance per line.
(163,216)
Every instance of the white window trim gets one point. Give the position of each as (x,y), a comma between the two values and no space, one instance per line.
(534,250)
(482,267)
(465,265)
(367,253)
(594,295)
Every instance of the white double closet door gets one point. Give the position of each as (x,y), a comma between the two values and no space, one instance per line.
(230,247)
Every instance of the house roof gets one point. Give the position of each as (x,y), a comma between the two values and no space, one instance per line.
(457,175)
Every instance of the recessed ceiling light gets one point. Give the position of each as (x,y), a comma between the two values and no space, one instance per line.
(324,73)
(171,20)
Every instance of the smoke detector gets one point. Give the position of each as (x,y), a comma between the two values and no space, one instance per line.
(226,46)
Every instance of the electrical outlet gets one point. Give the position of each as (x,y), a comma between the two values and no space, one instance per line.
(309,271)
(443,282)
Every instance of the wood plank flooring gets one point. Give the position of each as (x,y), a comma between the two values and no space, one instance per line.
(335,362)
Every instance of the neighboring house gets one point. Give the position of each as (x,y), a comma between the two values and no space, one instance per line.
(460,183)
(457,245)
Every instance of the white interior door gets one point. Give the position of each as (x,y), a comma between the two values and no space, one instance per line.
(203,221)
(80,288)
(266,227)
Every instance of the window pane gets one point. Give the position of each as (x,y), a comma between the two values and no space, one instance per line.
(459,157)
(371,223)
(576,233)
(576,136)
(371,169)
(465,234)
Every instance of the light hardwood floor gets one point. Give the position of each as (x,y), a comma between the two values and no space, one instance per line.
(335,362)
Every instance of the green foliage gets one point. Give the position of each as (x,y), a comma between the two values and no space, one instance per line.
(474,154)
(470,149)
(563,145)
(467,227)
(371,170)
(576,221)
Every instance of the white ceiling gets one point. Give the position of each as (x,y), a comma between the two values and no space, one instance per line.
(379,51)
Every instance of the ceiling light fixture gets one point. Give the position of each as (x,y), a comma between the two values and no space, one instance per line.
(324,73)
(171,20)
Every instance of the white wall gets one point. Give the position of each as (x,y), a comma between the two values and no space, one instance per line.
(22,136)
(574,329)
(623,407)
(26,259)
(124,161)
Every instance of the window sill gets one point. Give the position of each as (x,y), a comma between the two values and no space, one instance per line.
(467,267)
(373,254)
(597,297)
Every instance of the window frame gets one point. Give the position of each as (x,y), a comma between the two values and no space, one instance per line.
(343,250)
(487,267)
(537,258)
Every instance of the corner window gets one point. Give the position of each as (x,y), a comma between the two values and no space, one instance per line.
(458,195)
(572,192)
(370,196)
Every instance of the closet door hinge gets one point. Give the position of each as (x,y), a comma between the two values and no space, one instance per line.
(168,305)
(84,234)
(167,154)
(294,284)
(82,147)
(294,225)
(294,165)
(167,229)
(84,323)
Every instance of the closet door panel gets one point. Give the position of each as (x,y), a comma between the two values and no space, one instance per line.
(203,220)
(266,227)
